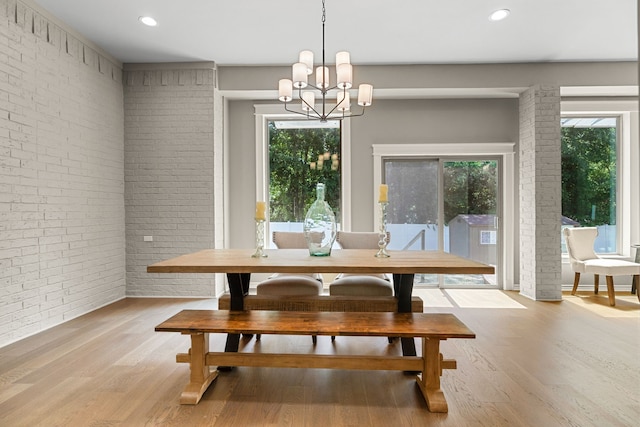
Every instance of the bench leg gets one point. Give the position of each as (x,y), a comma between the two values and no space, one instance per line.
(429,381)
(200,376)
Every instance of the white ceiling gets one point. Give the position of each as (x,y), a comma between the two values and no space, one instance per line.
(261,32)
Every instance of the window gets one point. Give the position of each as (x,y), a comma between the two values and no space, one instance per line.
(302,154)
(590,177)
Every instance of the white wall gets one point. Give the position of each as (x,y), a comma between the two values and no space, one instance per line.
(61,175)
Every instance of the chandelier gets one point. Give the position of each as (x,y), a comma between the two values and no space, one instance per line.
(344,81)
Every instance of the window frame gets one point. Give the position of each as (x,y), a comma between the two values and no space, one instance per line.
(507,213)
(267,112)
(621,110)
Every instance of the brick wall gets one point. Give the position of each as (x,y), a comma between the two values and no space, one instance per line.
(169,173)
(540,193)
(61,175)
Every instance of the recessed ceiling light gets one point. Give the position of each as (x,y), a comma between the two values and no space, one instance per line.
(147,20)
(499,14)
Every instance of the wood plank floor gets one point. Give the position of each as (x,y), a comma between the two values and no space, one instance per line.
(571,363)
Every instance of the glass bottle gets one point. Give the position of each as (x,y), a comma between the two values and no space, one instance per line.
(320,225)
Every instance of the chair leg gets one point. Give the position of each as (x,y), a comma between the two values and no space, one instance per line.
(576,280)
(596,280)
(610,292)
(636,284)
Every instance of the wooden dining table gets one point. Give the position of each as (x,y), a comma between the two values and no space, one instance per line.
(238,265)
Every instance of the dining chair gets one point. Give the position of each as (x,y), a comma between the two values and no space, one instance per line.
(290,284)
(358,284)
(580,242)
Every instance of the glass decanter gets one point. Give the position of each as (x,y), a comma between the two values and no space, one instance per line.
(320,225)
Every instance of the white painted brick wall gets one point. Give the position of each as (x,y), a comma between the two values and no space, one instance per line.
(62,238)
(169,173)
(540,193)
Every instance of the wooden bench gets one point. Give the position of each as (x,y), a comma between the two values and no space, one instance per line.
(431,327)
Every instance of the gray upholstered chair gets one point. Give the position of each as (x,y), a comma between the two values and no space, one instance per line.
(351,284)
(290,284)
(584,260)
(360,284)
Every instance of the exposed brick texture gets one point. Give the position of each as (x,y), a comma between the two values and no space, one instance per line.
(540,193)
(61,175)
(169,174)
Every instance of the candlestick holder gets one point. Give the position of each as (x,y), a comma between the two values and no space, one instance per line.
(259,253)
(382,231)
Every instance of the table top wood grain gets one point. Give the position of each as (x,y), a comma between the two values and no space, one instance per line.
(299,261)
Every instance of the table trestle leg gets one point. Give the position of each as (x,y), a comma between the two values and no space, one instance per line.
(200,376)
(429,380)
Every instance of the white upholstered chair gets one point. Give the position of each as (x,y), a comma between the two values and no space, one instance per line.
(584,260)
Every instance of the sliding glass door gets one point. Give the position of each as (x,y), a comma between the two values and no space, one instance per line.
(412,213)
(470,194)
(445,204)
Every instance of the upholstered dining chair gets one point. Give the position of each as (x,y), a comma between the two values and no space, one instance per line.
(290,284)
(583,259)
(356,284)
(360,284)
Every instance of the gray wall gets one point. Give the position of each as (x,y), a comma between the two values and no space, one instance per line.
(62,240)
(449,103)
(387,122)
(421,122)
(169,170)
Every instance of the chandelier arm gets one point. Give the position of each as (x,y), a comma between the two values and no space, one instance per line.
(311,109)
(332,110)
(298,112)
(356,115)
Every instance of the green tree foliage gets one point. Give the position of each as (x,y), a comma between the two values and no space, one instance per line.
(292,187)
(589,175)
(470,187)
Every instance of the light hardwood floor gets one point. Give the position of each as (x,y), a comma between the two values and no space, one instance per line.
(572,363)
